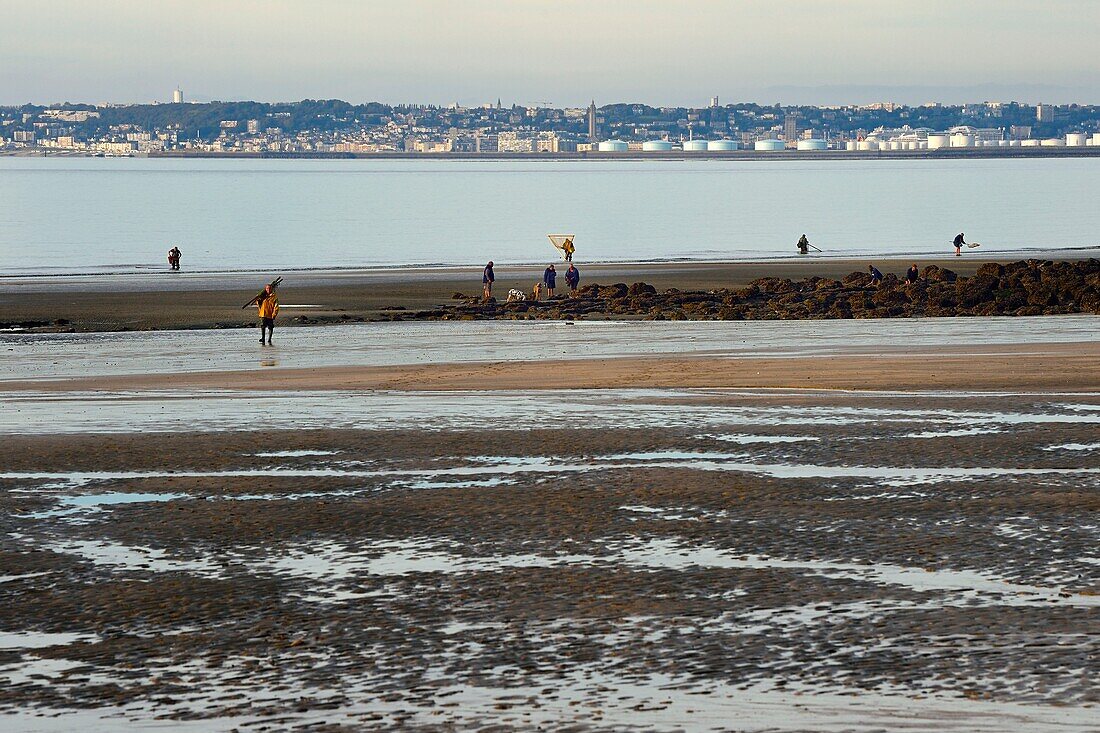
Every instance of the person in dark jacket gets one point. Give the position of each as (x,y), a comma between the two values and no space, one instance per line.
(959,242)
(549,277)
(487,279)
(876,276)
(912,275)
(803,245)
(572,279)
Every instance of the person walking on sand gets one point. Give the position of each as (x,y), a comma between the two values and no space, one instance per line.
(572,279)
(912,275)
(959,242)
(487,279)
(876,276)
(549,278)
(268,306)
(174,257)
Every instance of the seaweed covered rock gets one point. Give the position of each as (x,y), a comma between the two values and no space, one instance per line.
(937,274)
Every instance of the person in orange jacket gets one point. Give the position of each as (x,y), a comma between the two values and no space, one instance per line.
(268,307)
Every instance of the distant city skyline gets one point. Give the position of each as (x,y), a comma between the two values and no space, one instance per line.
(566,52)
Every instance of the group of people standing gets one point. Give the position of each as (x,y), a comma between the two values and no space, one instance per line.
(546,286)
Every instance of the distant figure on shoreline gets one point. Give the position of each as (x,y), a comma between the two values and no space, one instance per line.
(487,279)
(959,242)
(572,279)
(912,275)
(803,245)
(549,279)
(174,257)
(569,249)
(267,306)
(876,276)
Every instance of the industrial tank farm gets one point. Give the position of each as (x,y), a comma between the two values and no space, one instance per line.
(903,140)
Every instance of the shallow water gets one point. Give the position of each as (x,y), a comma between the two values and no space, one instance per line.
(50,356)
(31,413)
(226,214)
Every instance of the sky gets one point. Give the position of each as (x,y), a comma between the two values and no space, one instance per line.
(565,52)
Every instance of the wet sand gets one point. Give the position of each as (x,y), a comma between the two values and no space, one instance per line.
(169,300)
(692,540)
(824,562)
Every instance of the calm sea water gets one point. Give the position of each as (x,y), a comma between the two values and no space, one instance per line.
(90,214)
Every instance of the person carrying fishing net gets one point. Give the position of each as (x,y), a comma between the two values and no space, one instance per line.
(267,307)
(804,245)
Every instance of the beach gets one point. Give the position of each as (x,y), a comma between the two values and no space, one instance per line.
(186,300)
(794,525)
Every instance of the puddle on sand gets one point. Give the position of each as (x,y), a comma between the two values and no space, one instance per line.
(24,576)
(672,555)
(75,505)
(133,557)
(960,433)
(36,413)
(295,453)
(1074,446)
(39,640)
(500,466)
(752,439)
(333,562)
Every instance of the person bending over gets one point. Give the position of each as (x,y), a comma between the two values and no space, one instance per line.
(572,279)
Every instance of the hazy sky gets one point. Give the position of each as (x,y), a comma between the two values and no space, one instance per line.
(559,51)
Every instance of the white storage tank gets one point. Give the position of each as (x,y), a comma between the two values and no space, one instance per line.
(1030,143)
(1076,139)
(771,146)
(695,146)
(613,146)
(962,140)
(1014,143)
(1054,142)
(895,145)
(935,142)
(812,145)
(850,145)
(1096,138)
(721,146)
(656,146)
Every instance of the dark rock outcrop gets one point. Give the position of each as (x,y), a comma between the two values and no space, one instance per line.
(1025,288)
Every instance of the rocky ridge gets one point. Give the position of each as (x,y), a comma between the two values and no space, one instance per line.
(1024,288)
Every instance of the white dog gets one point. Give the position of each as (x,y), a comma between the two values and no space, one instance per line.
(514,295)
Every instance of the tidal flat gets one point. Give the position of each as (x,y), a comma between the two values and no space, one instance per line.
(657,559)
